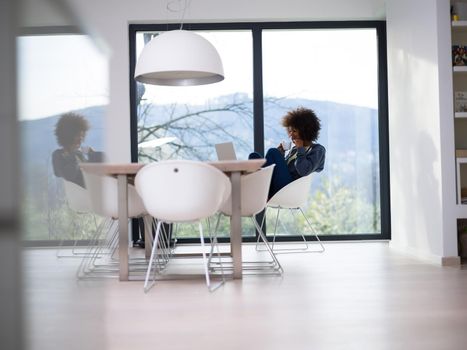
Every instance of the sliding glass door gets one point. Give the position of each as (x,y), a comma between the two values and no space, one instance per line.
(338,69)
(185,122)
(57,73)
(335,73)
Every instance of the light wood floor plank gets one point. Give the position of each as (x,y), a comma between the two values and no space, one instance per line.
(354,296)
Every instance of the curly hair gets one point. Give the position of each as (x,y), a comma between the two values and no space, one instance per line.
(305,121)
(68,127)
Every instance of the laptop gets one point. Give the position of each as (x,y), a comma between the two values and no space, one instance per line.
(225,151)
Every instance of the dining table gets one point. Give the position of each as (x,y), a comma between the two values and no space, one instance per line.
(126,171)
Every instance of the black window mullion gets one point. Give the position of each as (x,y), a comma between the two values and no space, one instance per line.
(258,101)
(133,106)
(383,125)
(258,106)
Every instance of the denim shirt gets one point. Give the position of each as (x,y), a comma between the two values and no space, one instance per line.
(66,165)
(303,161)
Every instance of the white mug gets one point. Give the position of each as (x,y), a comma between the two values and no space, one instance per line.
(286,145)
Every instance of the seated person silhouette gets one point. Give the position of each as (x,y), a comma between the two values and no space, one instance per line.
(70,132)
(303,158)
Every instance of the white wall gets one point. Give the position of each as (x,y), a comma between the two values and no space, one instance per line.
(420,85)
(421,128)
(450,210)
(38,13)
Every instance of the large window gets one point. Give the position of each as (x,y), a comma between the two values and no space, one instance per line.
(186,122)
(191,119)
(337,69)
(335,73)
(57,73)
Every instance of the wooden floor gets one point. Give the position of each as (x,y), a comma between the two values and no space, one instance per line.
(353,296)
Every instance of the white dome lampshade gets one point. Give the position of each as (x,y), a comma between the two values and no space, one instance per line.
(179,58)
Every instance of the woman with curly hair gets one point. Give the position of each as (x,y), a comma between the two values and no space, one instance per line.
(70,132)
(306,155)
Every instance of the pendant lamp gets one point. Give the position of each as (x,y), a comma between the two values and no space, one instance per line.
(179,58)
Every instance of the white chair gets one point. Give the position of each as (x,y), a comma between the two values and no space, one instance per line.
(180,192)
(254,196)
(77,199)
(293,197)
(103,199)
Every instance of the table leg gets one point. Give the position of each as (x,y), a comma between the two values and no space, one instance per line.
(123,227)
(147,236)
(236,225)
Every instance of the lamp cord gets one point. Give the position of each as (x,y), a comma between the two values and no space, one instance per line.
(176,6)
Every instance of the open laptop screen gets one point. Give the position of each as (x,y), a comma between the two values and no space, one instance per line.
(225,151)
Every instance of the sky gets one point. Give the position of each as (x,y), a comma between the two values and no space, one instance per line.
(330,65)
(62,73)
(59,73)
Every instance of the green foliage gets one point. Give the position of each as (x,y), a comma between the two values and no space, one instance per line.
(191,230)
(46,216)
(337,209)
(55,223)
(34,222)
(287,223)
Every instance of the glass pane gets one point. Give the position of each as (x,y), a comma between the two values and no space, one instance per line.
(56,74)
(333,72)
(185,122)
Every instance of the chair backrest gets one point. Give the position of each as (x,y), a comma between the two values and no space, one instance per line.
(294,195)
(254,196)
(77,197)
(103,194)
(182,190)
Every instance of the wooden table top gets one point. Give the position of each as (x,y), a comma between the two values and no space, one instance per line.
(226,166)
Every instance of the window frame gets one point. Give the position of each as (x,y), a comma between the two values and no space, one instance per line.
(42,31)
(256,29)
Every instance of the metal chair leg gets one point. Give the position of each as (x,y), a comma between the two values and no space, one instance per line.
(268,248)
(153,254)
(307,244)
